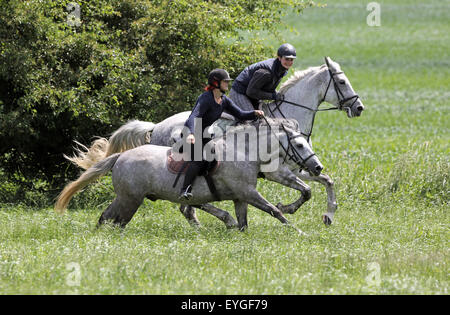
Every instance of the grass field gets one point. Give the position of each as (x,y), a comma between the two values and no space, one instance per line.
(391,170)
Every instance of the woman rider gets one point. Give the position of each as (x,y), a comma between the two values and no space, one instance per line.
(208,108)
(259,81)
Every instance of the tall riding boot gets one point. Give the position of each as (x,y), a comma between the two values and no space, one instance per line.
(191,173)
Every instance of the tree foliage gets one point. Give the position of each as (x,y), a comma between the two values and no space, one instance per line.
(63,79)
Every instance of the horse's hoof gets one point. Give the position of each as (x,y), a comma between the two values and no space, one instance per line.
(326,220)
(243,228)
(232,226)
(231,223)
(283,208)
(195,224)
(300,232)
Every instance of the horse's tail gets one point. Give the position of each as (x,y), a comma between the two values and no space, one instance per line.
(131,135)
(86,157)
(94,172)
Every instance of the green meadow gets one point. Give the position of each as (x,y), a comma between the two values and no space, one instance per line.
(391,166)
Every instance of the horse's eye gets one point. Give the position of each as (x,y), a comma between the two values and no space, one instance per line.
(342,82)
(300,146)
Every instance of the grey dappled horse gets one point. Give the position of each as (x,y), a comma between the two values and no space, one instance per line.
(304,91)
(142,173)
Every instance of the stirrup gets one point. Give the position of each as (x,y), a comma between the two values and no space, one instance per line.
(186,194)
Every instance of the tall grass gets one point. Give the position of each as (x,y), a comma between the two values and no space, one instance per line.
(391,174)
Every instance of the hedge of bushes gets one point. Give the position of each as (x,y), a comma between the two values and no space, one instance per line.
(73,70)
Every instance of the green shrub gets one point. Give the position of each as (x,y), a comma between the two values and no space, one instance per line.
(126,60)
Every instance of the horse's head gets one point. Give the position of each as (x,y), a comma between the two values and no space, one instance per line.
(295,149)
(339,91)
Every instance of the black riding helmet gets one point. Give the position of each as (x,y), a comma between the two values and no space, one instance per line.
(216,76)
(287,51)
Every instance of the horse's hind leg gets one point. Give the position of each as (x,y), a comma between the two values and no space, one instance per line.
(120,211)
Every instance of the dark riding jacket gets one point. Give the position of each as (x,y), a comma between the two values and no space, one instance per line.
(259,81)
(207,109)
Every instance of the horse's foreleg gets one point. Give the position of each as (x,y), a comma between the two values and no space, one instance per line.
(254,198)
(287,178)
(331,195)
(222,215)
(189,214)
(241,214)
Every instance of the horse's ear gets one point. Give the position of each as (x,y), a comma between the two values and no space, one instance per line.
(331,64)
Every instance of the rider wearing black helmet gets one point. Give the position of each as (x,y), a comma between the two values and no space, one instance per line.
(208,108)
(260,80)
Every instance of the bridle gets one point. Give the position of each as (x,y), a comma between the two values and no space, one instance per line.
(341,98)
(294,156)
(341,102)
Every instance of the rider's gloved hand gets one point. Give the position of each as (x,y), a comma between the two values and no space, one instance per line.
(190,139)
(259,113)
(277,96)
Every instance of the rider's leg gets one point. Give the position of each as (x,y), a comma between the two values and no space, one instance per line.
(193,169)
(243,101)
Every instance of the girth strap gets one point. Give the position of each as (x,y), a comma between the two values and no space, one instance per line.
(185,164)
(212,186)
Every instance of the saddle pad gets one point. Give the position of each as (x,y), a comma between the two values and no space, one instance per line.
(175,165)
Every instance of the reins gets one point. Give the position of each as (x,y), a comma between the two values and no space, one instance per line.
(295,156)
(342,100)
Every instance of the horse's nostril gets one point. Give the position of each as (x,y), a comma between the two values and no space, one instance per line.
(319,168)
(360,108)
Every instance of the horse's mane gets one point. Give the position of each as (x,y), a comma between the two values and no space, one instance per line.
(273,122)
(297,76)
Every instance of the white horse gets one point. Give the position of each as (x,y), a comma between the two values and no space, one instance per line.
(142,172)
(304,92)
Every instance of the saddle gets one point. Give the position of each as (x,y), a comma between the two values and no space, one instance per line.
(176,165)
